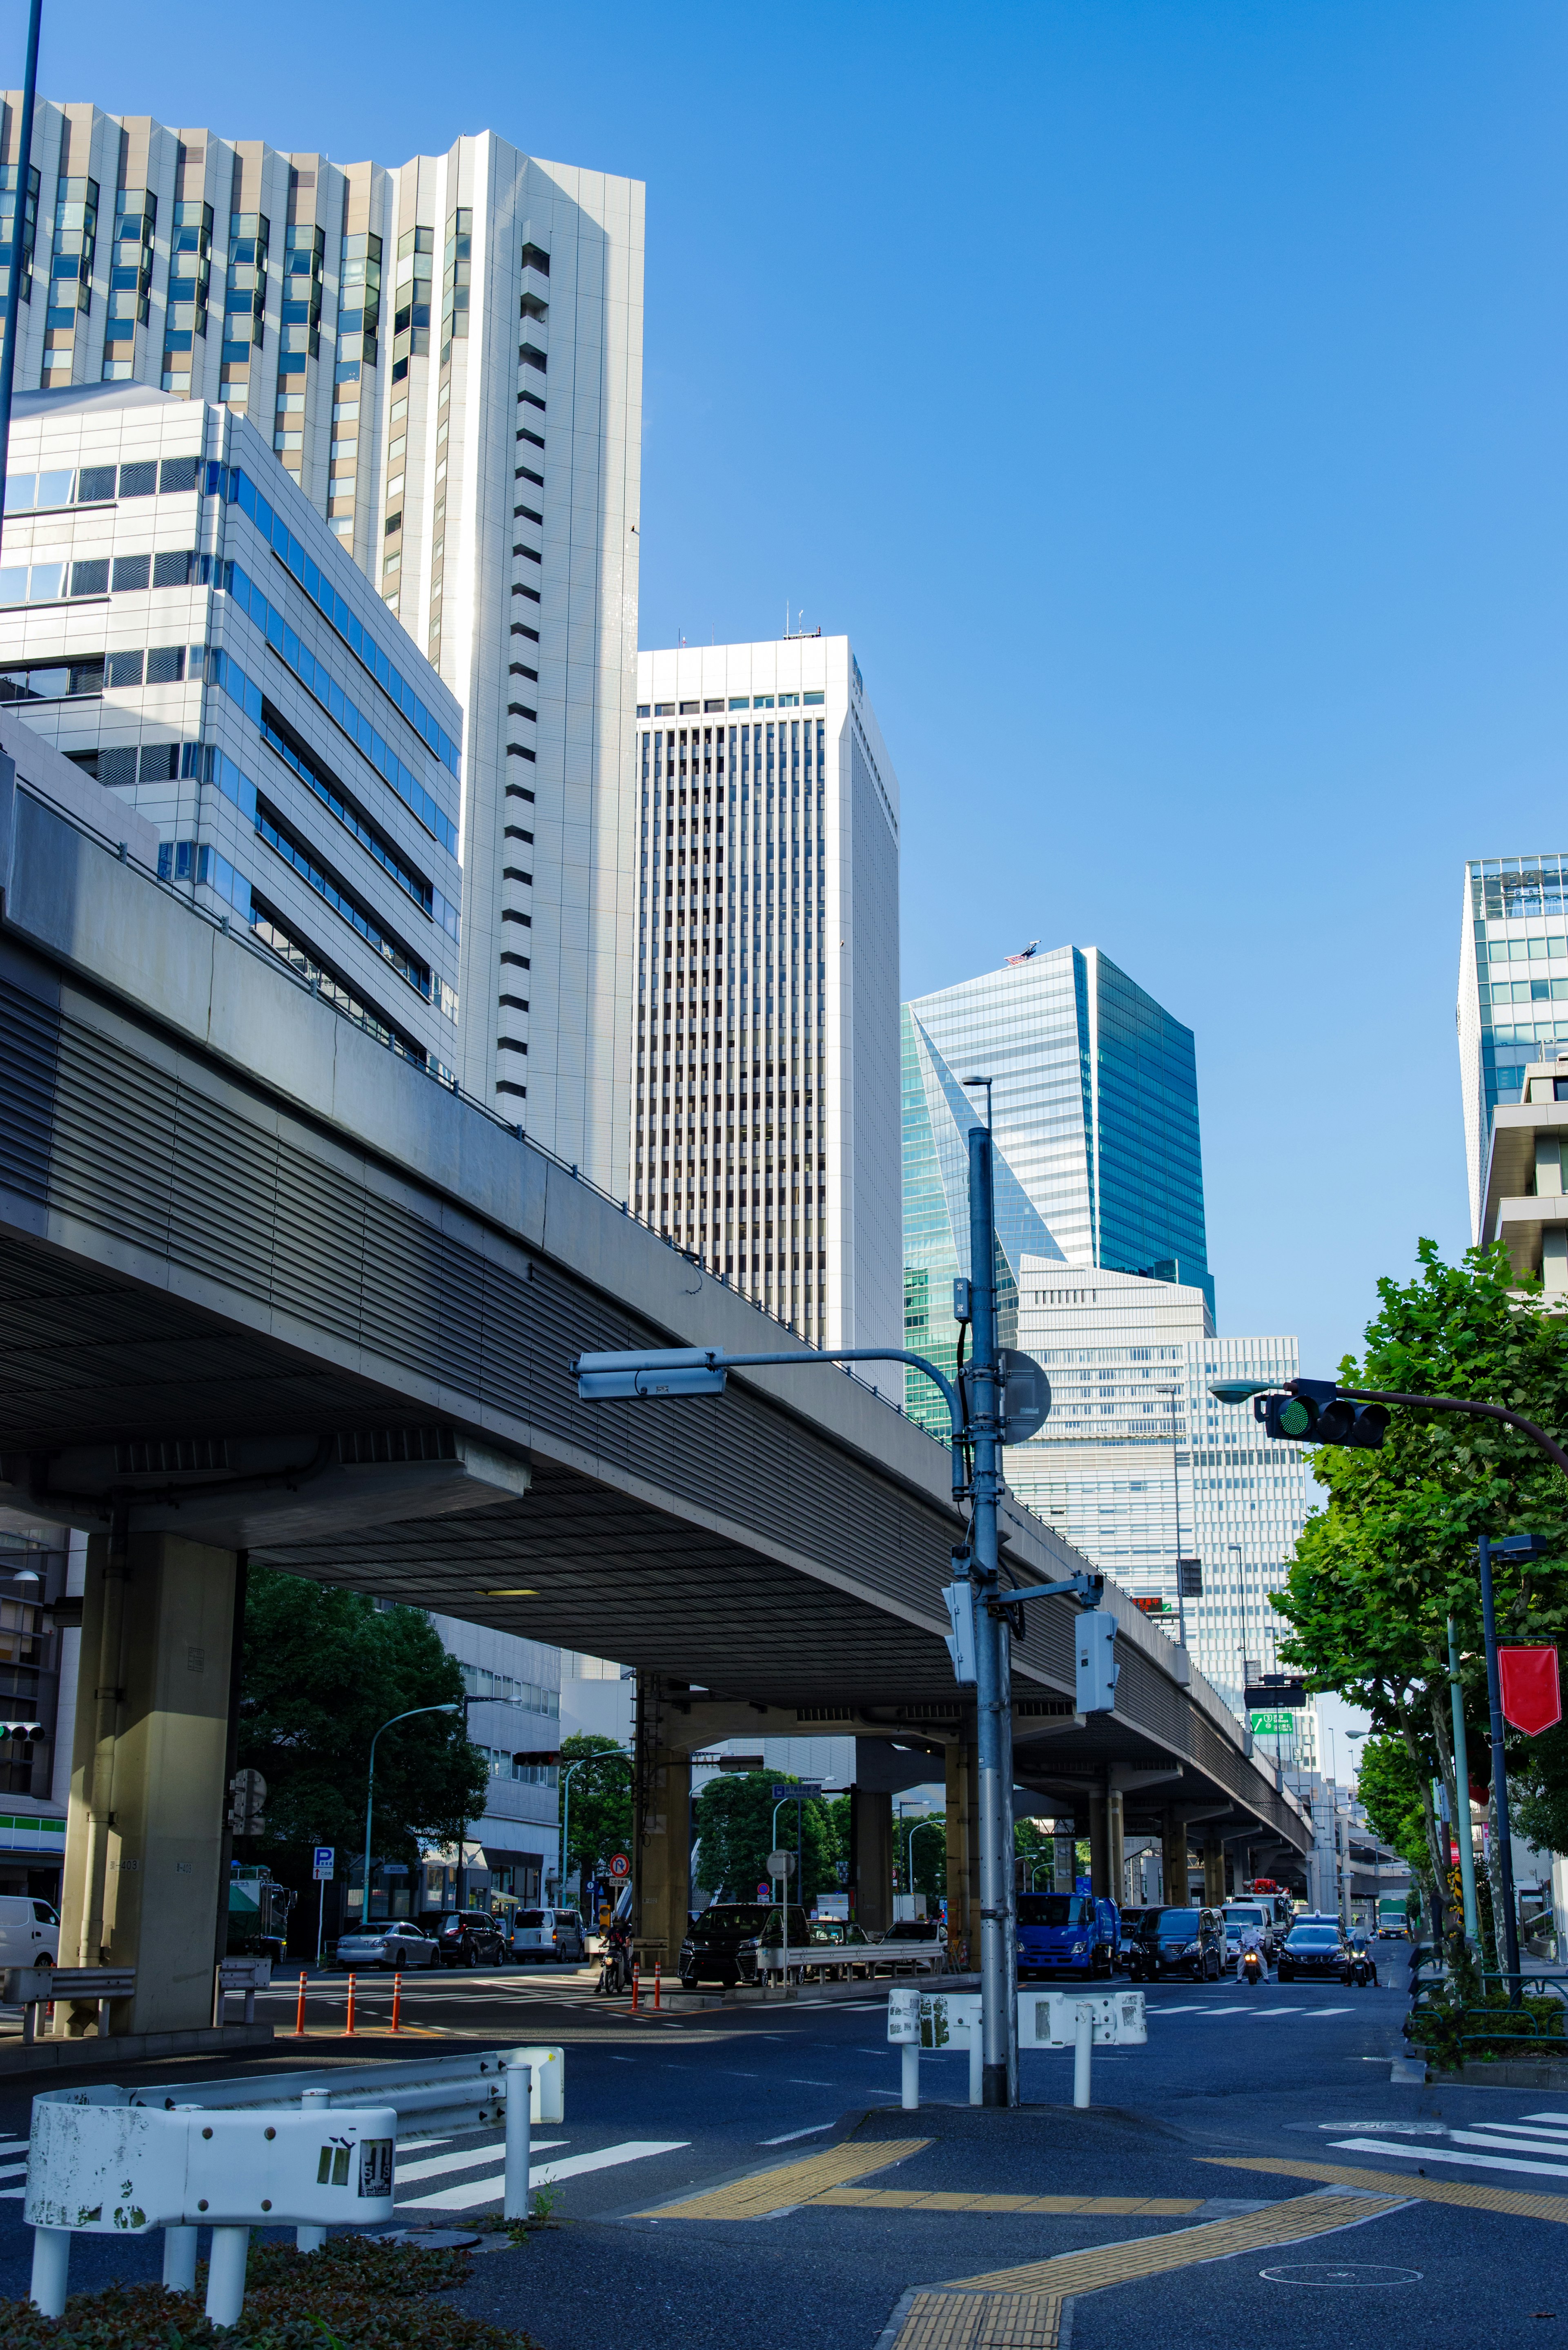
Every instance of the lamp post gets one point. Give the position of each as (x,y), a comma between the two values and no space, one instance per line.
(928,1822)
(609,1754)
(1462,1791)
(452,1706)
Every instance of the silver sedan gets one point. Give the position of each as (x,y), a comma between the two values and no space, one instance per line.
(399,1944)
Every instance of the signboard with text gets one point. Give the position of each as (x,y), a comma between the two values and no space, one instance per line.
(1272,1723)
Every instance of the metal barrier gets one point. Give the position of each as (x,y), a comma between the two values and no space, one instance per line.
(1046,2019)
(1505,2020)
(31,1988)
(851,1962)
(247,1975)
(237,2153)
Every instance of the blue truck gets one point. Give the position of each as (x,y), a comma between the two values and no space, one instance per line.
(1067,1933)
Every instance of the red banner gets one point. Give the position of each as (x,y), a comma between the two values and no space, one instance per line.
(1532,1692)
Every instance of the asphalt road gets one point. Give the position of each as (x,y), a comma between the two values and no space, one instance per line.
(1304,2191)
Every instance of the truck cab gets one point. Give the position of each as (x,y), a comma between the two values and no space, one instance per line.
(258,1914)
(1071,1932)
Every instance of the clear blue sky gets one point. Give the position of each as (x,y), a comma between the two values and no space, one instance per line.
(1167,400)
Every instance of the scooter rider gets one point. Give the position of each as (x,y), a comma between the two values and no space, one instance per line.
(1249,1937)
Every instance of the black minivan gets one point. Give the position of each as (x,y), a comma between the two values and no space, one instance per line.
(724,1942)
(1174,1942)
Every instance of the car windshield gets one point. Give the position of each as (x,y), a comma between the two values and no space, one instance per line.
(1313,1938)
(736,1917)
(912,1930)
(1168,1923)
(1052,1909)
(1243,1918)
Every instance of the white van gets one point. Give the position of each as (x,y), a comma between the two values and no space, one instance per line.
(547,1934)
(29,1931)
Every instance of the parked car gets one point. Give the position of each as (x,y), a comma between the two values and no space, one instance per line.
(470,1937)
(398,1943)
(1313,1946)
(29,1931)
(543,1934)
(724,1942)
(913,1930)
(1071,1930)
(840,1940)
(1179,1942)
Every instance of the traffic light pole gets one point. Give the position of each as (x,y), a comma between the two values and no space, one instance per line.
(993,1664)
(1462,1791)
(1499,1774)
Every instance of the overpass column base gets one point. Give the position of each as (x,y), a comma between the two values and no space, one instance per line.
(1102,1883)
(1175,1867)
(871,1857)
(1213,1871)
(961,1856)
(1116,1846)
(144,1831)
(663,1839)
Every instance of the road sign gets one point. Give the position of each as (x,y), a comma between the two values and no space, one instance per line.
(764,1892)
(323,1864)
(1272,1724)
(802,1787)
(1275,1689)
(780,1864)
(620,1865)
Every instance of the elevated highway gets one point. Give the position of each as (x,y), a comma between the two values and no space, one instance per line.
(269,1289)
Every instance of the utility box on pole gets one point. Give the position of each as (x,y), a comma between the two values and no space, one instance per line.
(1096,1668)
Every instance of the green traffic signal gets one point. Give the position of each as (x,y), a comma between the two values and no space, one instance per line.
(1295,1417)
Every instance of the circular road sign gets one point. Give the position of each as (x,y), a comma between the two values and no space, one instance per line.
(619,1865)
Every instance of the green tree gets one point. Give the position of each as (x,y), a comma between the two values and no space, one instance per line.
(322,1668)
(1379,1570)
(931,1856)
(600,1820)
(1387,1784)
(733,1817)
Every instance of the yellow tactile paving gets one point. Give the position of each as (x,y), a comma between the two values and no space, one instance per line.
(981,2321)
(1520,2202)
(1108,2264)
(792,2182)
(889,2199)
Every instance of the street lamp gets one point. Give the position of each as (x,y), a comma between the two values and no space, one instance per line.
(452,1706)
(607,1755)
(928,1822)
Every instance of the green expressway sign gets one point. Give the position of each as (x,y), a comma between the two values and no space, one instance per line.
(1273,1726)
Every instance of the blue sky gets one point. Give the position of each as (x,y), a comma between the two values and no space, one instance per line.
(1167,401)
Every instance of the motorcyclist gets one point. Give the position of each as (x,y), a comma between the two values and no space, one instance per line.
(614,1957)
(1249,1937)
(1361,1954)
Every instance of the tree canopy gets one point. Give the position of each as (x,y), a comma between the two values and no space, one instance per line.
(322,1668)
(1382,1568)
(733,1817)
(599,1799)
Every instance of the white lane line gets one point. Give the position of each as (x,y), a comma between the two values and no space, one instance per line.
(468,2161)
(13,2170)
(1437,2154)
(1325,2010)
(12,2194)
(1545,2117)
(468,2197)
(790,2136)
(795,2083)
(1497,2137)
(1523,2129)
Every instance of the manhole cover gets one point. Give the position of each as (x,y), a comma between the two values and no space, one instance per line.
(1339,2272)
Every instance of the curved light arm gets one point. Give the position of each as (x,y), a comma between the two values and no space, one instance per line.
(455,1705)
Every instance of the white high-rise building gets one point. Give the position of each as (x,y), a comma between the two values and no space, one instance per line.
(446,356)
(1513,993)
(766,1076)
(1138,1464)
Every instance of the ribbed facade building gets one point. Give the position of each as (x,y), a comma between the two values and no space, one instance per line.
(1513,991)
(446,357)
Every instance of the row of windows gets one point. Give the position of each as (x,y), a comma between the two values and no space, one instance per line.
(99,485)
(735,701)
(507,1690)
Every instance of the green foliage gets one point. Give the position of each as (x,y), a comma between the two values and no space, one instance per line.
(323,1669)
(930,1876)
(357,2293)
(1379,1570)
(1388,1786)
(1466,2020)
(600,1806)
(733,1818)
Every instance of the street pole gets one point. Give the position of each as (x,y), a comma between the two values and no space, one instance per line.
(1462,1791)
(993,1691)
(18,240)
(370,1799)
(1509,1923)
(1176,1485)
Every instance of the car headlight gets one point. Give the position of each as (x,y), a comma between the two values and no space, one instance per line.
(751,1946)
(1078,1948)
(1192,1949)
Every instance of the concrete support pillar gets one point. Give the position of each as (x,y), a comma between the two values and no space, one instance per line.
(871,1856)
(1173,1859)
(1100,1877)
(1213,1870)
(1066,1856)
(1116,1856)
(662,1894)
(962,1859)
(143,1872)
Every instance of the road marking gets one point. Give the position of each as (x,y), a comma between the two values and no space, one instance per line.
(1178,2248)
(1439,2154)
(1545,2117)
(1121,2207)
(475,2191)
(980,2321)
(1523,2205)
(469,2160)
(789,2183)
(796,2084)
(790,2136)
(14,2171)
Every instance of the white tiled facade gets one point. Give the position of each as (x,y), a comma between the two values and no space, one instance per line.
(447,356)
(765,1074)
(1513,991)
(1135,1451)
(518,1725)
(177,620)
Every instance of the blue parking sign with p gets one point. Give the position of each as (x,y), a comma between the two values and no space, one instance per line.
(325,1854)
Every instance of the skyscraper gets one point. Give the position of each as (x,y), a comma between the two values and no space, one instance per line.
(1094,1105)
(766,1083)
(1513,993)
(447,358)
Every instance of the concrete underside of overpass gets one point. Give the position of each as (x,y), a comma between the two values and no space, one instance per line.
(266,1288)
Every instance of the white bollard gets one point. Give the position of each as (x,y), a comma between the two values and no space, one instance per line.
(1083,2054)
(312,2240)
(514,2199)
(51,2270)
(976,2065)
(180,2259)
(910,2096)
(226,2275)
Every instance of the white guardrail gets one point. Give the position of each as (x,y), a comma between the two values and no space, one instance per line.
(1046,2019)
(305,2150)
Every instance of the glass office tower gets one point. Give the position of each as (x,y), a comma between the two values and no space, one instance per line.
(1094,1116)
(1514,990)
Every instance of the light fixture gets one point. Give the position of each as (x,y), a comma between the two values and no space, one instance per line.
(509,1594)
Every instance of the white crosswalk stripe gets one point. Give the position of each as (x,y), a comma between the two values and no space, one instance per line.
(473,2192)
(468,2160)
(1464,2161)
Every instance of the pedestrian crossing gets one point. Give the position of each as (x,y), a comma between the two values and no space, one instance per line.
(1237,2007)
(473,2194)
(1535,2146)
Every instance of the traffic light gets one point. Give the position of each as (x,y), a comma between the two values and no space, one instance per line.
(1095,1667)
(1313,1412)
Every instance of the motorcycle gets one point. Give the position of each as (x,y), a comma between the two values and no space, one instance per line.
(1250,1967)
(1357,1971)
(615,1960)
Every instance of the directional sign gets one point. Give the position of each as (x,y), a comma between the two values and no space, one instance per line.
(620,1865)
(1272,1724)
(802,1787)
(322,1865)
